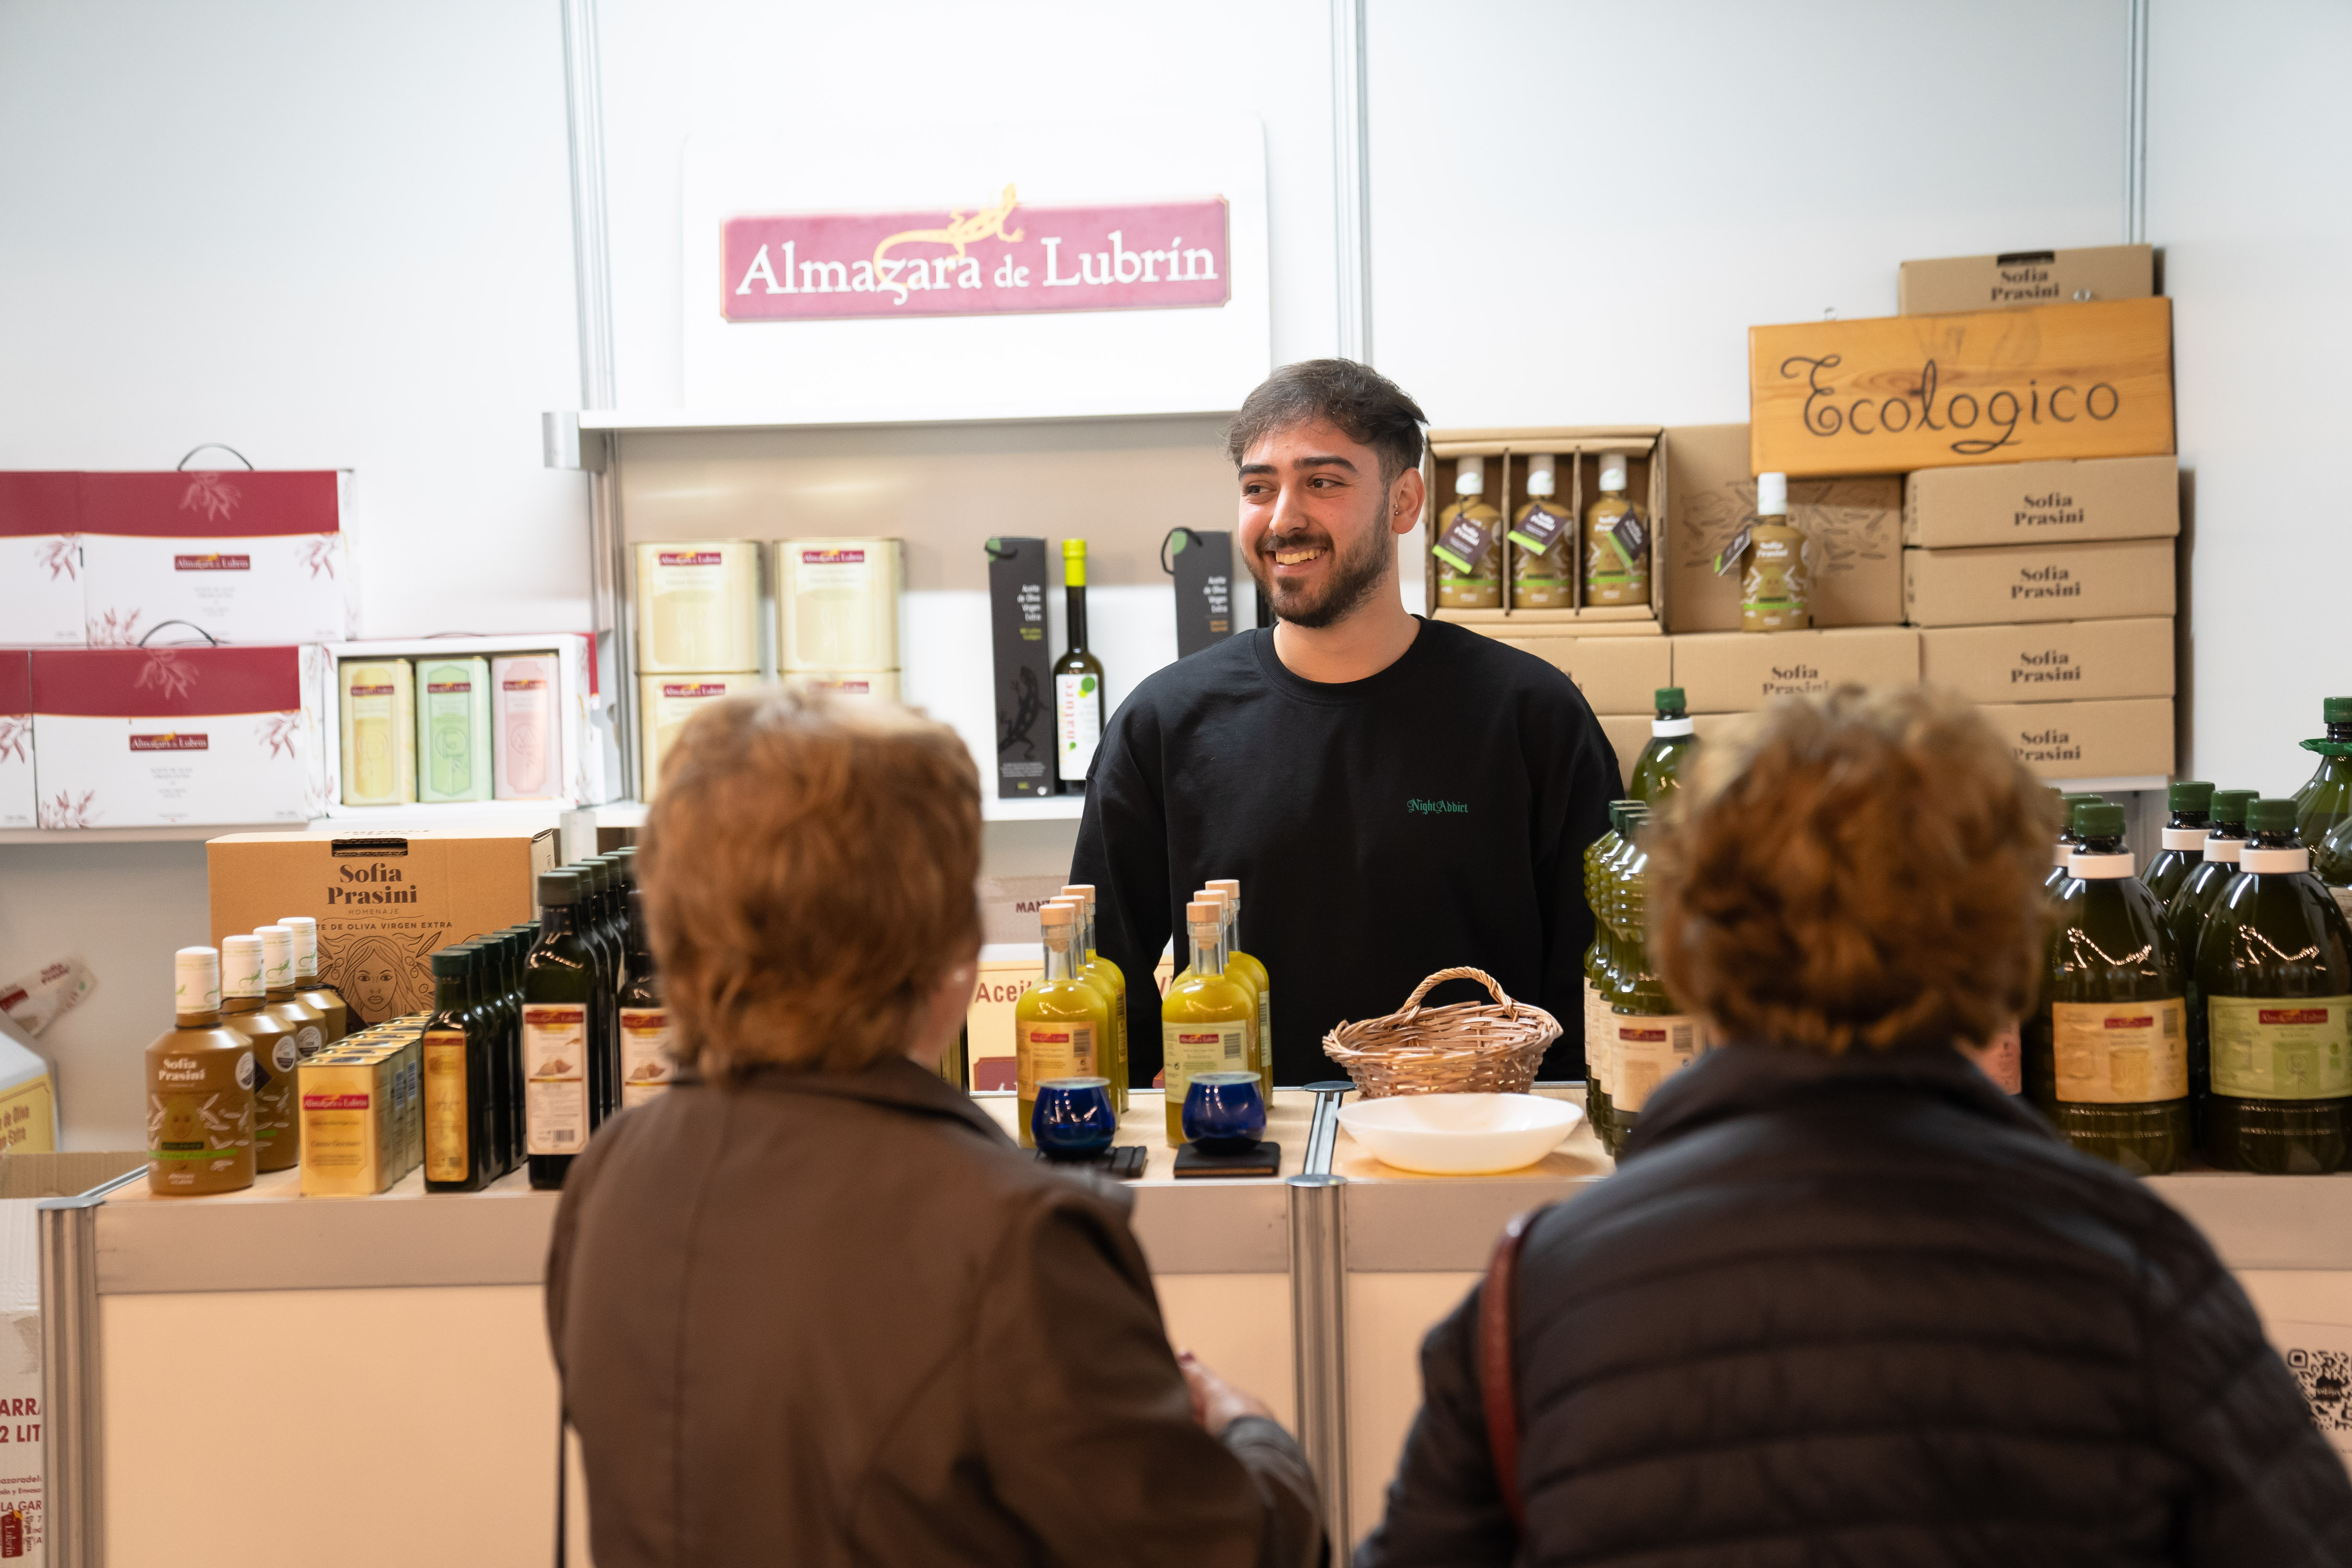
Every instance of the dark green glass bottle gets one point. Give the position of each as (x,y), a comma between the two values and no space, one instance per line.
(460,1146)
(2275,968)
(1657,773)
(2184,917)
(596,890)
(2110,1037)
(2190,801)
(561,993)
(522,938)
(2325,798)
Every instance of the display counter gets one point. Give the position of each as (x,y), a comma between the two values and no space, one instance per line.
(367,1350)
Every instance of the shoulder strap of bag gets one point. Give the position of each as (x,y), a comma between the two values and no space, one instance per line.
(1495,1380)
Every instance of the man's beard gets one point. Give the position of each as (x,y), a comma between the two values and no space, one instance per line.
(1355,577)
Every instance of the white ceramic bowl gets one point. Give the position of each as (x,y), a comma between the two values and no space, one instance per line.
(1460,1134)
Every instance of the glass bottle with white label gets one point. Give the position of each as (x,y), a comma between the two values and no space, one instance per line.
(199,1089)
(562,988)
(1776,591)
(2190,801)
(1543,542)
(276,1052)
(646,1065)
(1616,543)
(1655,1037)
(1207,1017)
(1466,546)
(1079,707)
(2274,964)
(1061,1025)
(2110,1036)
(1657,771)
(460,1145)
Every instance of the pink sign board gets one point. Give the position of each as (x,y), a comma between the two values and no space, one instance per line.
(1008,260)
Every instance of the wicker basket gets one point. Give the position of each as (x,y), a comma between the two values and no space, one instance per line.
(1464,1048)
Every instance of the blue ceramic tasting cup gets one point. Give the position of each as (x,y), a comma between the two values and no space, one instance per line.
(1224,1110)
(1074,1117)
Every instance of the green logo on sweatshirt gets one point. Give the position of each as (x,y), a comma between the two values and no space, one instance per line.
(1438,808)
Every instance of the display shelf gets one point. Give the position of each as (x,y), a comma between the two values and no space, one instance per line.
(417,817)
(1050,808)
(2109,786)
(184,834)
(624,420)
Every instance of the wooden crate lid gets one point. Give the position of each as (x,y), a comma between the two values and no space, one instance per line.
(1487,442)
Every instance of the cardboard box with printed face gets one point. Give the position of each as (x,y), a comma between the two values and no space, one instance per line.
(244,557)
(384,904)
(173,736)
(2051,661)
(16,792)
(2017,278)
(2043,503)
(40,560)
(2105,581)
(2124,738)
(1731,672)
(1616,675)
(1853,531)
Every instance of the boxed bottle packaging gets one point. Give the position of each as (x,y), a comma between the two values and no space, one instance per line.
(1730,672)
(245,557)
(1896,393)
(2043,503)
(453,729)
(383,902)
(360,1116)
(698,606)
(1617,675)
(665,702)
(1022,667)
(16,792)
(1504,459)
(1853,531)
(165,737)
(837,603)
(2104,580)
(526,742)
(377,700)
(2021,277)
(41,559)
(2128,737)
(2051,661)
(847,685)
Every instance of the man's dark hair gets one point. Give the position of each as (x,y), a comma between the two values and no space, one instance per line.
(1369,408)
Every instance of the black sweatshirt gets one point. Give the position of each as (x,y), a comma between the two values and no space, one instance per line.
(1433,815)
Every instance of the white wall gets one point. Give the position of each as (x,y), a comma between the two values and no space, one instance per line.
(2250,134)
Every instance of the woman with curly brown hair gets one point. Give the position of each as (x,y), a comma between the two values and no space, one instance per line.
(811,1306)
(1845,1302)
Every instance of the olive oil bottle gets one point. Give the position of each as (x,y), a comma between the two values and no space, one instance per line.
(455,1060)
(646,1065)
(199,1089)
(2325,797)
(1096,966)
(1261,976)
(2110,1034)
(1061,1025)
(2275,967)
(2185,915)
(1080,707)
(1467,577)
(1596,969)
(309,1024)
(1776,591)
(276,1052)
(2332,863)
(1655,1037)
(1207,1018)
(1657,773)
(1616,543)
(1543,542)
(2191,802)
(2067,840)
(561,1000)
(334,1010)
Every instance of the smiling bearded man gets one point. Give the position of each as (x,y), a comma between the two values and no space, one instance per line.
(1396,795)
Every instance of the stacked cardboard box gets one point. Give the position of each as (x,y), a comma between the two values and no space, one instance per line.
(1578,450)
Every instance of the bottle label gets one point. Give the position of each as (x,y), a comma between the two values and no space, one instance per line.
(1041,1051)
(1538,527)
(645,1061)
(555,1073)
(1465,543)
(2003,1061)
(2120,1053)
(1078,701)
(1649,1049)
(1775,589)
(446,1153)
(2282,1047)
(1616,559)
(1189,1048)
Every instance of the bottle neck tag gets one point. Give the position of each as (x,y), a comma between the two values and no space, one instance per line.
(2223,849)
(1667,727)
(2184,838)
(2098,867)
(2297,859)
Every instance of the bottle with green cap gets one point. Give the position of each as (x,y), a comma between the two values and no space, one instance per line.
(2109,1039)
(2325,798)
(563,989)
(2191,802)
(1658,772)
(1655,1037)
(2275,969)
(2185,914)
(2066,838)
(1597,959)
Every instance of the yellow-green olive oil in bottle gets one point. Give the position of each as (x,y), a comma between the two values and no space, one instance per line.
(199,1089)
(1061,1025)
(1242,966)
(1543,542)
(1776,592)
(1467,548)
(1655,1038)
(1657,773)
(1616,543)
(1095,967)
(1596,970)
(1207,1017)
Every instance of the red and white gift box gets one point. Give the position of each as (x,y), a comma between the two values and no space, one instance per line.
(40,560)
(16,738)
(171,736)
(242,556)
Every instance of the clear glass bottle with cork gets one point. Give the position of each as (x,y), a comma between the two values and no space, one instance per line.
(199,1089)
(1775,590)
(1466,578)
(1542,543)
(1616,543)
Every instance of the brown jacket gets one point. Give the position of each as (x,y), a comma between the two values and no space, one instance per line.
(840,1319)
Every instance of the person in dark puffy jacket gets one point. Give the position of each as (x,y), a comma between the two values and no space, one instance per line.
(1845,1302)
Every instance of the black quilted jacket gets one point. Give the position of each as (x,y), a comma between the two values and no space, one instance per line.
(1867,1312)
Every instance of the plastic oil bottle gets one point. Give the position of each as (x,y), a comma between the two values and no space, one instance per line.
(1657,771)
